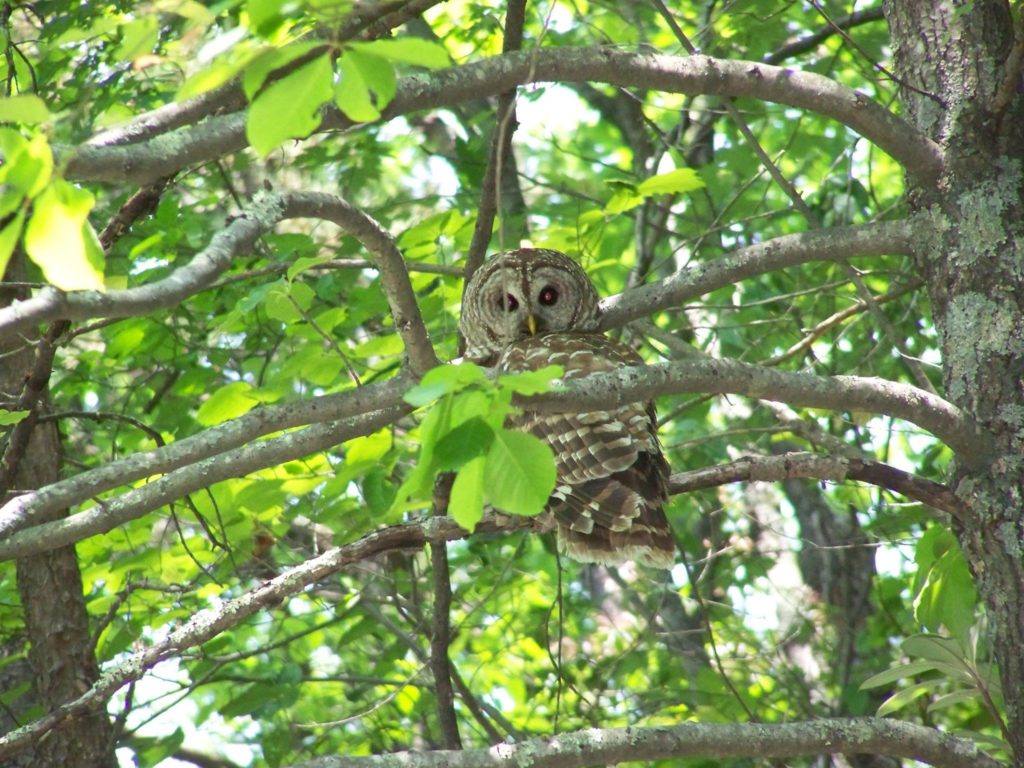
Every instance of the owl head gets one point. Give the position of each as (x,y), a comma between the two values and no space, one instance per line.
(525,292)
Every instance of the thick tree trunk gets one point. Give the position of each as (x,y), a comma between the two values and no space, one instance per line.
(61,657)
(961,56)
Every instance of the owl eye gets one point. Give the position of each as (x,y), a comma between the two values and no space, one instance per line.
(548,295)
(507,302)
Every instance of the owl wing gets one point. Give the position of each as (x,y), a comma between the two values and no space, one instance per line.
(611,489)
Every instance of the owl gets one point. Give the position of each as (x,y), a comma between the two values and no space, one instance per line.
(530,308)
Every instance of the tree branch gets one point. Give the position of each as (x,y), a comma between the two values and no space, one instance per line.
(839,393)
(23,510)
(835,244)
(505,125)
(827,468)
(108,514)
(813,40)
(601,390)
(236,238)
(147,161)
(609,746)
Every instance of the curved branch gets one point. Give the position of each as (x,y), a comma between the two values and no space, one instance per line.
(163,155)
(813,40)
(267,210)
(873,395)
(394,277)
(835,244)
(834,469)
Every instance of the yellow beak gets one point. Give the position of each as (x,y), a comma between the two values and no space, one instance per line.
(531,325)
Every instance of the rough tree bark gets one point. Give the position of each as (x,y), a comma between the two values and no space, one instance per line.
(61,658)
(959,67)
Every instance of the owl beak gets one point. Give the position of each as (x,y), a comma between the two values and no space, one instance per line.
(531,324)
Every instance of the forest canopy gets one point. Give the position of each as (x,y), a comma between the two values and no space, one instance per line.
(234,239)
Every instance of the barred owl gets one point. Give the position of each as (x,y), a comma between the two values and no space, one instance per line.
(529,308)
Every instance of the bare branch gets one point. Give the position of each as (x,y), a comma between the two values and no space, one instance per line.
(813,40)
(237,238)
(828,468)
(505,125)
(835,244)
(163,155)
(839,393)
(609,746)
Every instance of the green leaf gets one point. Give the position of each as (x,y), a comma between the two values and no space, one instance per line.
(622,201)
(408,50)
(60,240)
(466,503)
(368,449)
(303,263)
(28,164)
(265,63)
(944,654)
(905,696)
(228,402)
(366,86)
(11,417)
(443,380)
(520,473)
(467,441)
(265,16)
(289,108)
(679,180)
(138,37)
(944,591)
(435,425)
(896,673)
(954,698)
(26,109)
(288,301)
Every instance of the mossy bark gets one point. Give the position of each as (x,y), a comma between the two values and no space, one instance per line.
(961,86)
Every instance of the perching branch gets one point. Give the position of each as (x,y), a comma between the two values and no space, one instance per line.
(600,390)
(163,155)
(837,393)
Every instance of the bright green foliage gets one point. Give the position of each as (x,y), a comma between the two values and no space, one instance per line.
(290,107)
(791,600)
(464,433)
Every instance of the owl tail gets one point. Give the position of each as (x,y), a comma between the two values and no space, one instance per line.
(618,518)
